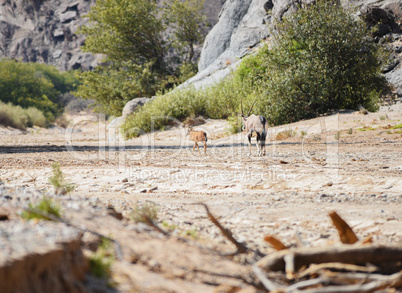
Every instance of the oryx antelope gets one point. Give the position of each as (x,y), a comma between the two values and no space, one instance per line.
(257,124)
(197,136)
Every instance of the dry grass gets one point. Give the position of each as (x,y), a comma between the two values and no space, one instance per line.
(285,134)
(20,118)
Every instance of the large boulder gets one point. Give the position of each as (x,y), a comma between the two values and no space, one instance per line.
(132,105)
(114,126)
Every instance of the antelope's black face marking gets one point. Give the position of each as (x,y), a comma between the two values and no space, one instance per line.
(244,120)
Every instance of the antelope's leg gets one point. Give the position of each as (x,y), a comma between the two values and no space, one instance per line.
(263,147)
(249,142)
(194,146)
(198,148)
(258,144)
(205,147)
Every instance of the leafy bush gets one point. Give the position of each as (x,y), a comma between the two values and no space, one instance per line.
(35,117)
(321,60)
(34,85)
(17,117)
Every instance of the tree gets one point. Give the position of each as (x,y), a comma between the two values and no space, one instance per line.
(189,26)
(133,37)
(322,59)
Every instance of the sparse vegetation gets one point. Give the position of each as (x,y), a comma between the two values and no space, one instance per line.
(193,233)
(57,180)
(46,205)
(303,133)
(350,131)
(383,117)
(337,135)
(144,213)
(366,128)
(282,135)
(101,261)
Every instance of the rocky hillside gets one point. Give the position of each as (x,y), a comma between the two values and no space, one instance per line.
(45,31)
(244,23)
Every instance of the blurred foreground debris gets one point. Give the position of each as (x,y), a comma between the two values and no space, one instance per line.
(353,266)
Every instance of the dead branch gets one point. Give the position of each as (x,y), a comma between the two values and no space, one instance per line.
(117,246)
(304,284)
(268,284)
(346,234)
(277,244)
(151,223)
(290,265)
(241,247)
(299,241)
(353,278)
(315,268)
(222,275)
(393,281)
(385,257)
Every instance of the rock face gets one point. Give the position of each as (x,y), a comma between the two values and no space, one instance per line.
(244,23)
(44,31)
(132,105)
(46,257)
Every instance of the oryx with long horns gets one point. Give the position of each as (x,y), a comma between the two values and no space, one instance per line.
(257,124)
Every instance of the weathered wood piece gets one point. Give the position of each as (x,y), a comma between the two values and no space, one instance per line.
(346,234)
(387,258)
(276,243)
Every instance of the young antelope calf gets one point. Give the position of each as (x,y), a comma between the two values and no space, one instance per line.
(198,136)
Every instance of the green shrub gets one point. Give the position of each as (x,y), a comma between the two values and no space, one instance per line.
(13,116)
(17,117)
(34,85)
(35,117)
(46,205)
(221,100)
(322,60)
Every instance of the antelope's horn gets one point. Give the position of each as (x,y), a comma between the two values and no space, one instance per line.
(252,107)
